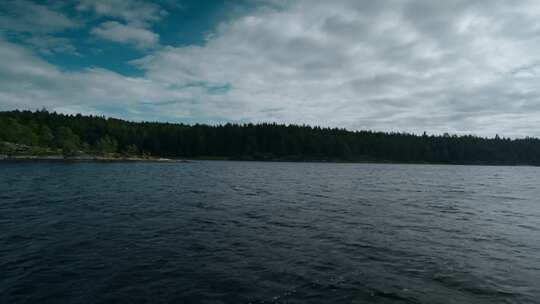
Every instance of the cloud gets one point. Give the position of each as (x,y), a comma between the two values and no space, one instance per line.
(117,32)
(452,66)
(36,25)
(137,16)
(387,65)
(49,45)
(139,13)
(26,16)
(30,82)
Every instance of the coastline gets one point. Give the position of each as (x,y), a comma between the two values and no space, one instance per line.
(88,158)
(111,159)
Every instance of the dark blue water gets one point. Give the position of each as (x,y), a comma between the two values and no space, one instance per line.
(249,232)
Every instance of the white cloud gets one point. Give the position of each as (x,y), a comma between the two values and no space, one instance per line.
(137,16)
(139,13)
(49,45)
(35,25)
(390,65)
(26,16)
(29,82)
(452,66)
(117,32)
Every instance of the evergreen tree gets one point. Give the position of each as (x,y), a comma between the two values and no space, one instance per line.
(131,150)
(67,141)
(106,145)
(266,141)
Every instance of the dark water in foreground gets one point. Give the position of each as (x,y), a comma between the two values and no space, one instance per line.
(248,232)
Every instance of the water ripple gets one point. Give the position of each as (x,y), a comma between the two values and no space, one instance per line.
(249,232)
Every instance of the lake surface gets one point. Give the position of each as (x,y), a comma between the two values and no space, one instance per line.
(253,232)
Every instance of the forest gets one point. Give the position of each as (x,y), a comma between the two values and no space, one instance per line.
(44,133)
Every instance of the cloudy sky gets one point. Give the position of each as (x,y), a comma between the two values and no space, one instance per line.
(396,65)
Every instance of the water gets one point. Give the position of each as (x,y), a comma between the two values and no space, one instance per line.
(250,232)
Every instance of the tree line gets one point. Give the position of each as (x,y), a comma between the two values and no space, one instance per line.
(72,134)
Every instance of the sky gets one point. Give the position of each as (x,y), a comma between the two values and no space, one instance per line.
(461,67)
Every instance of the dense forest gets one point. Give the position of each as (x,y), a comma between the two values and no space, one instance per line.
(43,132)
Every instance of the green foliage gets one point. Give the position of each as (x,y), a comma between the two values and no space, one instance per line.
(45,136)
(131,150)
(106,145)
(267,141)
(67,141)
(6,148)
(12,131)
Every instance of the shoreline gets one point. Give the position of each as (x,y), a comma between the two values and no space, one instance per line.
(60,158)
